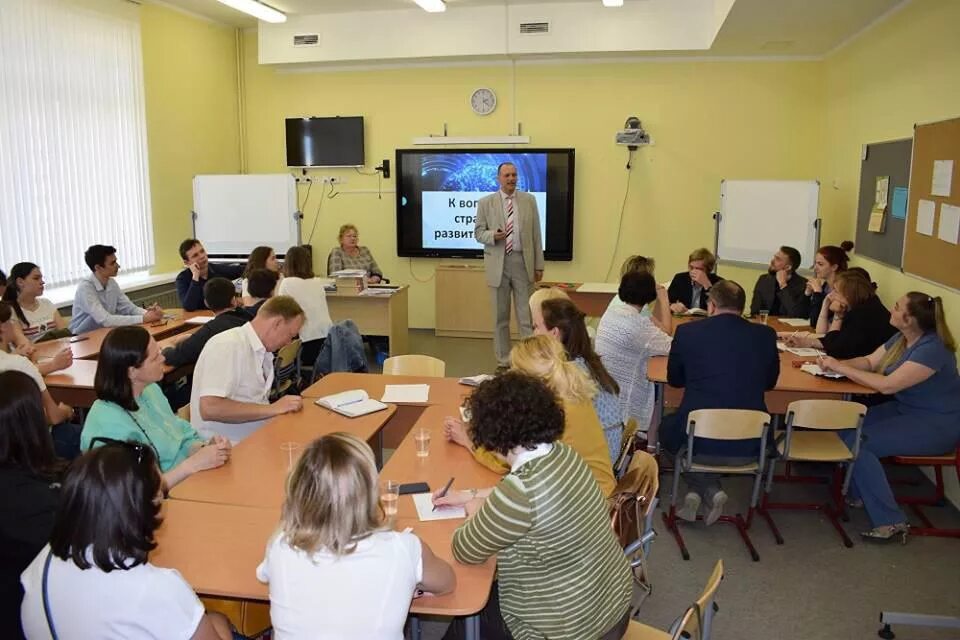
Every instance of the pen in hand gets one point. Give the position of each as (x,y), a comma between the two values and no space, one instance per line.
(443,491)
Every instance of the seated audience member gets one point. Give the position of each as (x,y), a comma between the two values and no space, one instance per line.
(627,339)
(234,375)
(260,258)
(199,269)
(829,261)
(350,255)
(723,362)
(334,556)
(99,302)
(542,357)
(261,286)
(860,322)
(130,406)
(300,284)
(544,519)
(29,489)
(220,296)
(562,320)
(94,579)
(66,435)
(782,291)
(918,367)
(3,283)
(689,289)
(636,264)
(36,317)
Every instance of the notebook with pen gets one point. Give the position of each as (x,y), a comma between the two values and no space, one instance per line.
(352,404)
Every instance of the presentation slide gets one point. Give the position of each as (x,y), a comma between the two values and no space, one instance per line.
(454,184)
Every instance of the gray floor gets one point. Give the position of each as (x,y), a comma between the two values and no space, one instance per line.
(811,588)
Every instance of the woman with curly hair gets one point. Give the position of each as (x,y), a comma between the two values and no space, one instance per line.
(544,519)
(543,358)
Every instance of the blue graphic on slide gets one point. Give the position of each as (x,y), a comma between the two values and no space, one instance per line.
(478,171)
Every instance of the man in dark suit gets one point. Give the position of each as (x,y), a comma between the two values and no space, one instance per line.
(723,362)
(782,291)
(689,289)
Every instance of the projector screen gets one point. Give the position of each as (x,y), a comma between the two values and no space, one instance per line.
(438,191)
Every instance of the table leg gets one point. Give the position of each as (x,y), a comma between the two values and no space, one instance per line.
(379,451)
(659,393)
(473,627)
(415,630)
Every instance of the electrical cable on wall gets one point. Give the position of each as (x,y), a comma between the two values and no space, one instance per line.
(316,217)
(414,276)
(626,193)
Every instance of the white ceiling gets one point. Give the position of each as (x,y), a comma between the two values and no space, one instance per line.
(753,27)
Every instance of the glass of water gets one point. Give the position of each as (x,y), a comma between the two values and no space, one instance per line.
(764,315)
(389,496)
(422,439)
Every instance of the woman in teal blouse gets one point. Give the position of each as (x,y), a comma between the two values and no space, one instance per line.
(131,406)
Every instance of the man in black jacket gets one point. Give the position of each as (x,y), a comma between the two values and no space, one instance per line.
(689,289)
(782,291)
(221,298)
(722,362)
(191,281)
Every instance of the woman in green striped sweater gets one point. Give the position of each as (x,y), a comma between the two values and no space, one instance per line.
(560,572)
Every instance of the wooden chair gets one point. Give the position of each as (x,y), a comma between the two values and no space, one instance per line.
(414,365)
(819,441)
(631,515)
(695,623)
(286,369)
(916,503)
(730,425)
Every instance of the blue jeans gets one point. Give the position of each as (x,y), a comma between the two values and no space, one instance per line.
(889,431)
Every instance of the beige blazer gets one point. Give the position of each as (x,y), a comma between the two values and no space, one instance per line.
(490,217)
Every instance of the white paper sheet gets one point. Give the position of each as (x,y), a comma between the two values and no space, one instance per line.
(424,504)
(942,178)
(599,287)
(198,320)
(815,370)
(406,393)
(925,213)
(795,322)
(949,229)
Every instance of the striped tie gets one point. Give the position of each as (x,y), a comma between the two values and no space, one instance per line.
(509,246)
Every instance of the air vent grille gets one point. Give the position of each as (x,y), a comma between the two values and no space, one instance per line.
(529,28)
(306,40)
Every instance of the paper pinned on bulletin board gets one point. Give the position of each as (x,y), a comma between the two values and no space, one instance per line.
(898,204)
(949,229)
(942,178)
(877,220)
(925,213)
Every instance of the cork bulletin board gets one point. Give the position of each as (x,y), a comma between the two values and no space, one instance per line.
(932,245)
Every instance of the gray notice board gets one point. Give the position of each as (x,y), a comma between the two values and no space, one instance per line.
(883,159)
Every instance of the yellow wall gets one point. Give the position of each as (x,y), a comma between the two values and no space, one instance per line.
(190,83)
(902,72)
(710,121)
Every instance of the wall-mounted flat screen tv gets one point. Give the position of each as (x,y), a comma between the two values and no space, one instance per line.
(325,142)
(438,191)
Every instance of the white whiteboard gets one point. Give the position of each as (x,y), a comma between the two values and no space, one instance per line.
(233,214)
(759,216)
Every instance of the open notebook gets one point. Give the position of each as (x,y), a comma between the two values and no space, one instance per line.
(352,403)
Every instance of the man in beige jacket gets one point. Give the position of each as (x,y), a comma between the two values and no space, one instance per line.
(508,225)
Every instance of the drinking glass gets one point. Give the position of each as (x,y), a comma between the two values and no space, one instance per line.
(389,497)
(422,439)
(764,315)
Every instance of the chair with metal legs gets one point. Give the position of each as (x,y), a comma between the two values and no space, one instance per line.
(728,425)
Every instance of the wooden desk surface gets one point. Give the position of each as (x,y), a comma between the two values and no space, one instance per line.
(442,390)
(592,304)
(257,471)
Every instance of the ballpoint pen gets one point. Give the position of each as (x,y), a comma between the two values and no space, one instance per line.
(443,492)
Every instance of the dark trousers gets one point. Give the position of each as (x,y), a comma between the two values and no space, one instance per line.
(492,626)
(66,440)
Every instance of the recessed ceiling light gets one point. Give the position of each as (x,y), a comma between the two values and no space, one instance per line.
(613,3)
(432,6)
(256,9)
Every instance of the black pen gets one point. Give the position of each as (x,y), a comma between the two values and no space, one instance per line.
(443,492)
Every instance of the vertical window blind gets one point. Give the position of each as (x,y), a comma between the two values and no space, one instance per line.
(73,147)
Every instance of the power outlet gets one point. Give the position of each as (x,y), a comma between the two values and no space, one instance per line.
(333,180)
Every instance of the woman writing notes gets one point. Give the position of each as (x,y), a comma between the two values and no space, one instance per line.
(919,368)
(350,255)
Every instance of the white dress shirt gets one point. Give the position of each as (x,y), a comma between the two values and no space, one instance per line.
(234,365)
(312,297)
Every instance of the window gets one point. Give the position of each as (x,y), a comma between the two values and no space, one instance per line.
(73,152)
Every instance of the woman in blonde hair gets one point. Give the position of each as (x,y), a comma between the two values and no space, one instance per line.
(350,255)
(334,569)
(543,357)
(919,369)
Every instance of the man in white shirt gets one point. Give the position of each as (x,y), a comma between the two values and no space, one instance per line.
(234,375)
(99,302)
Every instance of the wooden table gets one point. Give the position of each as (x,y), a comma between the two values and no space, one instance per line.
(375,315)
(231,511)
(793,384)
(592,303)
